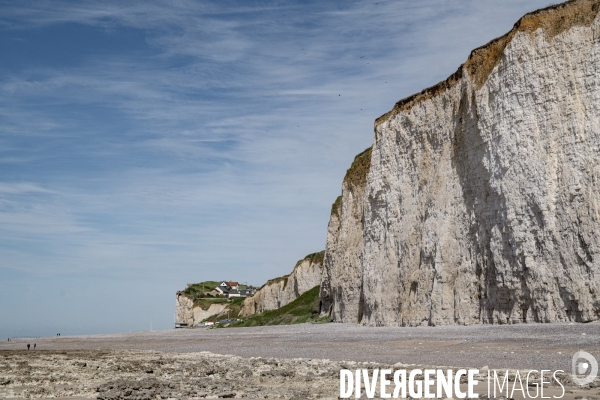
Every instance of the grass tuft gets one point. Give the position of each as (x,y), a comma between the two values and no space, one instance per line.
(315,258)
(356,175)
(336,206)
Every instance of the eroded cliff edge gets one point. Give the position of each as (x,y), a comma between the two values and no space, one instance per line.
(480,204)
(191,314)
(279,292)
(341,283)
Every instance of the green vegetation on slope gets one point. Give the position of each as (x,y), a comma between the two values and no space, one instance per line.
(276,280)
(304,309)
(205,302)
(336,206)
(234,306)
(356,175)
(315,258)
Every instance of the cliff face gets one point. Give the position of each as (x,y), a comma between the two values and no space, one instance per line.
(343,262)
(189,313)
(481,204)
(278,292)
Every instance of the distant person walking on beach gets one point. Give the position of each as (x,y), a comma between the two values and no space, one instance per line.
(34,345)
(28,346)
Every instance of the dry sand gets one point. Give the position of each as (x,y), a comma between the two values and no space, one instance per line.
(300,361)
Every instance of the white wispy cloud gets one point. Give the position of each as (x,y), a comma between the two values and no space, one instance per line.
(21,188)
(216,144)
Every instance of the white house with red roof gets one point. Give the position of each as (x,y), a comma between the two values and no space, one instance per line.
(229,285)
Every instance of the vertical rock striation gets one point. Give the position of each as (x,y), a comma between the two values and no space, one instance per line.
(481,202)
(342,275)
(278,292)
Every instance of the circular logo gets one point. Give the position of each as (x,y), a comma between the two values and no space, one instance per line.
(584,364)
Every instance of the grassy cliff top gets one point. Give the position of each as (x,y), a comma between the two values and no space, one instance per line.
(356,178)
(196,289)
(553,20)
(197,292)
(276,280)
(203,287)
(336,206)
(316,258)
(357,173)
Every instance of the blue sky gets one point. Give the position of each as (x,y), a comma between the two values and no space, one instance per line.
(145,145)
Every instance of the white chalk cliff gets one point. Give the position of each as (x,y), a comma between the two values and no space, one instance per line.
(343,261)
(278,292)
(479,201)
(189,313)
